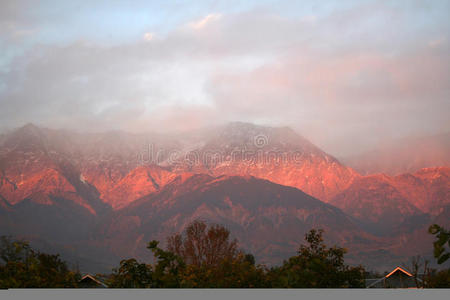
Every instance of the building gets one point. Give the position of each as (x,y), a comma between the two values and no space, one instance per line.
(398,278)
(89,281)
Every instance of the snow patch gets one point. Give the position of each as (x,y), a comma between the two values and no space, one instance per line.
(82,179)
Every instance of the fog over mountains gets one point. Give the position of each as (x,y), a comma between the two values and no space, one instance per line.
(404,155)
(99,197)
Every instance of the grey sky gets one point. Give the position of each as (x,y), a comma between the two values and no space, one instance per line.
(344,75)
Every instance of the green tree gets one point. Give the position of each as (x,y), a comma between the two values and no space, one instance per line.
(443,239)
(205,256)
(131,274)
(239,272)
(317,266)
(168,269)
(23,267)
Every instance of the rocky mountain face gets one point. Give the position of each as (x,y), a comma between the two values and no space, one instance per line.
(4,205)
(55,161)
(140,182)
(30,171)
(428,189)
(376,203)
(276,154)
(100,197)
(268,219)
(382,203)
(113,162)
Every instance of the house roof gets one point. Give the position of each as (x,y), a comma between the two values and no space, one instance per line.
(90,277)
(400,270)
(374,282)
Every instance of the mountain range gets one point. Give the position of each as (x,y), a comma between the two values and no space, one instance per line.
(99,197)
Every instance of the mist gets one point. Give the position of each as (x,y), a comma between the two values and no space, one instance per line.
(346,75)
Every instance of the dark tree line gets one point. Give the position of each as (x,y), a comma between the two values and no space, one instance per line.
(202,257)
(205,256)
(23,267)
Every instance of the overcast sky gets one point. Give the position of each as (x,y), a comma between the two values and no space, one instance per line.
(345,74)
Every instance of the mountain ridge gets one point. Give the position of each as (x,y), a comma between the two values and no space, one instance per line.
(109,193)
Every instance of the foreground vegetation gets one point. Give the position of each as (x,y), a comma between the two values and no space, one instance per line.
(23,267)
(206,257)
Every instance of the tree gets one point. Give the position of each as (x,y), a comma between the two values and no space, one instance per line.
(239,272)
(212,258)
(166,273)
(204,256)
(443,240)
(13,250)
(23,267)
(417,262)
(317,266)
(202,245)
(438,279)
(131,274)
(169,268)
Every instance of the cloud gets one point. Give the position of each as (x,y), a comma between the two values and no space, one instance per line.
(204,21)
(344,79)
(437,42)
(148,36)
